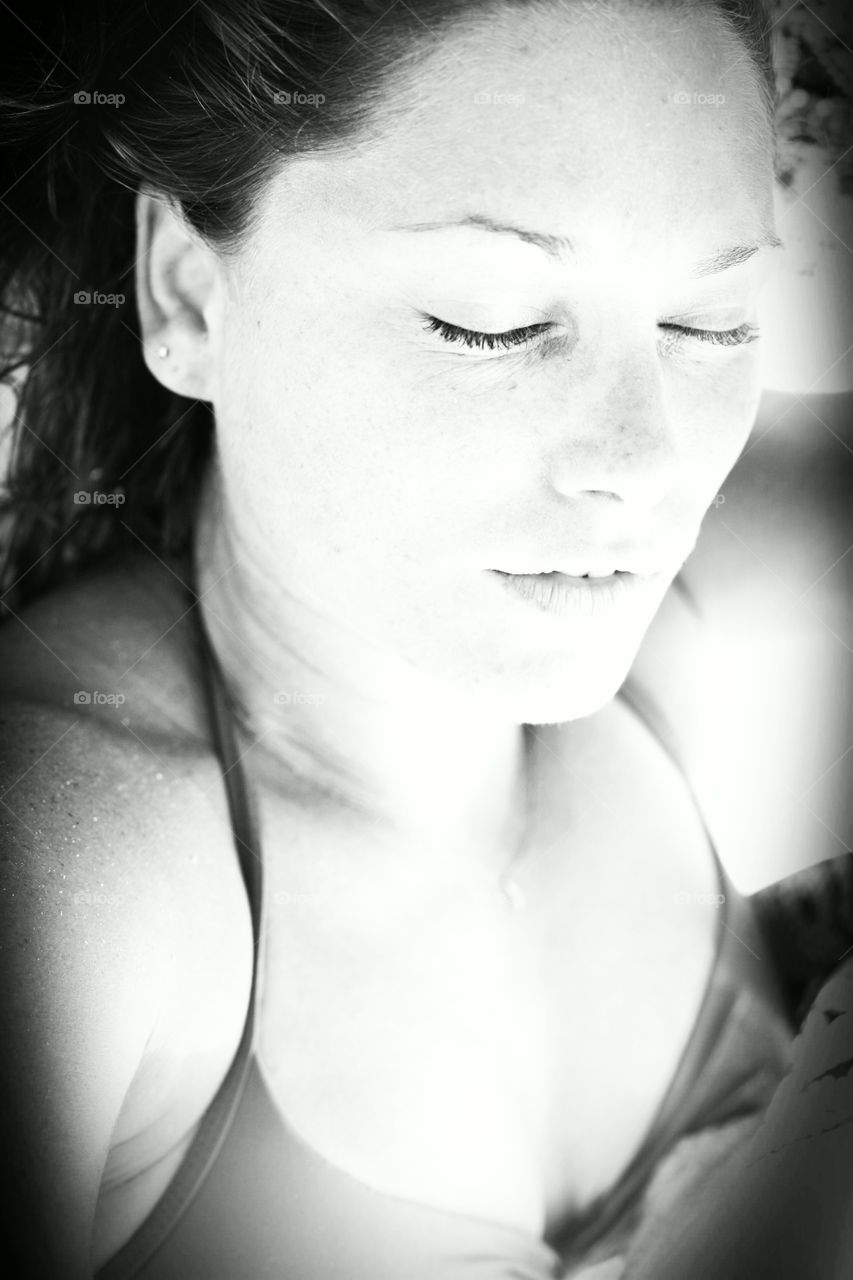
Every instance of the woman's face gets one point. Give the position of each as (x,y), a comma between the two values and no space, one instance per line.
(377,472)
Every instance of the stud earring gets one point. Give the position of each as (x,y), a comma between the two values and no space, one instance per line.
(162,351)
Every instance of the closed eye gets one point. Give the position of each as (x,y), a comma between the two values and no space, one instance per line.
(510,338)
(720,337)
(484,341)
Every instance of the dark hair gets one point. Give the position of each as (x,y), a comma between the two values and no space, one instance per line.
(211,102)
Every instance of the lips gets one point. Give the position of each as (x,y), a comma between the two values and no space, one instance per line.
(561,595)
(599,563)
(588,573)
(599,572)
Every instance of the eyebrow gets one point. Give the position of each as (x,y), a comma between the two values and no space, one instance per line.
(558,246)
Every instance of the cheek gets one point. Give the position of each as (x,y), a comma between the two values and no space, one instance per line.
(319,431)
(713,408)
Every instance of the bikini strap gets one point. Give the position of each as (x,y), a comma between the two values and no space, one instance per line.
(654,719)
(241,802)
(218,1118)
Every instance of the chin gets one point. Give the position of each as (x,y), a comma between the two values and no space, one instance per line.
(560,695)
(568,705)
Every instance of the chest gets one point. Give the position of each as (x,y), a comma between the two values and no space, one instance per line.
(437,1045)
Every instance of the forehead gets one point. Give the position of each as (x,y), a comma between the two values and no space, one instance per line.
(615,125)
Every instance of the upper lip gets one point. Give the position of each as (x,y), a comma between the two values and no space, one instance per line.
(599,566)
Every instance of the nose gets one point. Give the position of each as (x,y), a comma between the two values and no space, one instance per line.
(616,434)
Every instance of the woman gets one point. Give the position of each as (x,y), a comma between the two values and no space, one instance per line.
(354,342)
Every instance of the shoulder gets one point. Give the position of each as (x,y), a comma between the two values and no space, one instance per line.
(118,878)
(109,778)
(116,645)
(105,739)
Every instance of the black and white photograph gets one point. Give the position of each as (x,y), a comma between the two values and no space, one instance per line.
(426,640)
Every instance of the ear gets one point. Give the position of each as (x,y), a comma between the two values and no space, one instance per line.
(179,291)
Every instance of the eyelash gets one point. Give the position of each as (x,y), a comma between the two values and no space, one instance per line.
(514,338)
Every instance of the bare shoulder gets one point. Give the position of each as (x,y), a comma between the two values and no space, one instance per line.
(118,883)
(117,644)
(106,752)
(112,792)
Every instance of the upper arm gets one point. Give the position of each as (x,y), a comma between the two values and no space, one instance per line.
(82,945)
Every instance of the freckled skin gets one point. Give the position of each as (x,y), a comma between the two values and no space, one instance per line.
(369,473)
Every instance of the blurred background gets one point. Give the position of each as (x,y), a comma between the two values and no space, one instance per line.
(771,750)
(759,685)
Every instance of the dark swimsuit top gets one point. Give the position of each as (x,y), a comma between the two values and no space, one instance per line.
(252,1200)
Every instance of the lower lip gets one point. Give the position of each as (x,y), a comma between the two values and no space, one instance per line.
(558,594)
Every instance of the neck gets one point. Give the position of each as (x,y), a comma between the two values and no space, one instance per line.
(337,723)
